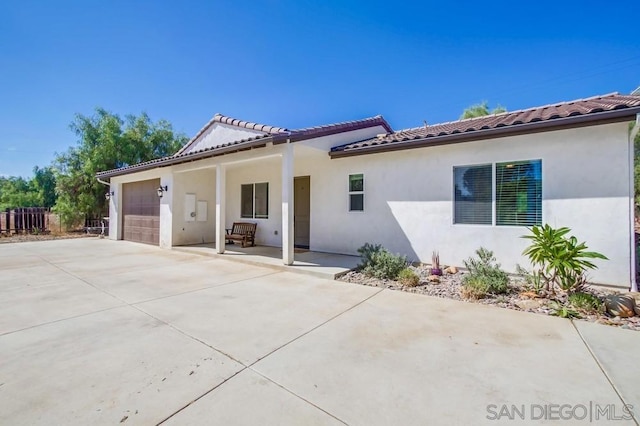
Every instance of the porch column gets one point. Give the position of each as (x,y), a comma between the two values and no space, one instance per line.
(287,204)
(115,211)
(166,212)
(221,204)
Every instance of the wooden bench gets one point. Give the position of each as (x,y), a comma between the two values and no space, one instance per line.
(245,232)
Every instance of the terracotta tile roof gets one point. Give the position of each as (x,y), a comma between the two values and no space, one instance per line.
(276,135)
(345,126)
(614,107)
(227,148)
(219,118)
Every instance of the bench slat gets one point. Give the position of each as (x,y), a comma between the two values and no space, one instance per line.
(244,232)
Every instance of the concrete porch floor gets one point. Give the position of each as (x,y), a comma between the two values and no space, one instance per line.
(322,265)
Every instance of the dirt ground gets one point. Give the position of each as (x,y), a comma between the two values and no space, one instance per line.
(21,238)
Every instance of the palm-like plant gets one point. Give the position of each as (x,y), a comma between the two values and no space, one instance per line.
(561,260)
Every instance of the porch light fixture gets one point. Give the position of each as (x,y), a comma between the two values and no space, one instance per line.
(108,195)
(161,190)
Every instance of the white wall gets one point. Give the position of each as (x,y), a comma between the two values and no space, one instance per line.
(408,198)
(269,231)
(202,183)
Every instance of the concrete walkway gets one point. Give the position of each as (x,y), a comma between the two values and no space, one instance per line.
(318,264)
(100,332)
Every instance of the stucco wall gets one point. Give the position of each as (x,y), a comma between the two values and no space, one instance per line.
(408,198)
(202,183)
(269,231)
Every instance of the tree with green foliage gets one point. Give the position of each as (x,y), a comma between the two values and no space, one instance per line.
(480,110)
(39,191)
(17,192)
(44,183)
(106,141)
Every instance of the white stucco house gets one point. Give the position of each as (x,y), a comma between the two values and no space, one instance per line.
(450,187)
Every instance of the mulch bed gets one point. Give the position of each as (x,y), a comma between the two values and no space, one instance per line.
(517,298)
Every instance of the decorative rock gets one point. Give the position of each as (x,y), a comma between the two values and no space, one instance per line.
(433,279)
(529,304)
(636,296)
(620,305)
(529,295)
(451,270)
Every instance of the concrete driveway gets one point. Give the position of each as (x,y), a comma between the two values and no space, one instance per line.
(101,332)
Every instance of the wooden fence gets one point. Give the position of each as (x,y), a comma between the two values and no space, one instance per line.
(28,220)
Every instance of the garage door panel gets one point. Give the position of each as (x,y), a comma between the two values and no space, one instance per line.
(141,212)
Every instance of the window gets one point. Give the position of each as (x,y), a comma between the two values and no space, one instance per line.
(472,195)
(356,192)
(254,200)
(519,193)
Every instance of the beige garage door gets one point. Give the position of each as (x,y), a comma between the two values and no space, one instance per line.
(141,212)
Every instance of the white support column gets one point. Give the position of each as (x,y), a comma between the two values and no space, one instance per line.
(287,204)
(115,211)
(221,203)
(632,205)
(166,212)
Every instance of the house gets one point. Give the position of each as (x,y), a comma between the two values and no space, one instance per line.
(450,187)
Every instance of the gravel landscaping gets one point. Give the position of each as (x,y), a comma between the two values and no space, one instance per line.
(517,298)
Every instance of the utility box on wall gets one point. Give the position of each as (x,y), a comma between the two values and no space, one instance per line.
(190,207)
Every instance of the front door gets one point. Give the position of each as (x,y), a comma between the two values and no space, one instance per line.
(301,210)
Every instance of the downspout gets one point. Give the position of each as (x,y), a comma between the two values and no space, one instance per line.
(102,222)
(103,182)
(632,208)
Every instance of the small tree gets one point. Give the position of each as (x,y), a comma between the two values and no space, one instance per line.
(560,261)
(106,141)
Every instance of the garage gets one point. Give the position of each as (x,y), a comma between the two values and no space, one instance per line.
(141,212)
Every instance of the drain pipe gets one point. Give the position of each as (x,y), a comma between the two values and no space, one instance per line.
(632,201)
(102,227)
(103,182)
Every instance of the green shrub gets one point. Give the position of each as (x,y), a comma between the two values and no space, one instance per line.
(367,254)
(408,278)
(563,311)
(586,302)
(561,261)
(380,263)
(484,277)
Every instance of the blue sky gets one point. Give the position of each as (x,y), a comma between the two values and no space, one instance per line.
(297,63)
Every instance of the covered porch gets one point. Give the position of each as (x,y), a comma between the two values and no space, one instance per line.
(319,264)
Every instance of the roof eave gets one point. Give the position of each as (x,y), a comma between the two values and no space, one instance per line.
(297,136)
(172,161)
(604,117)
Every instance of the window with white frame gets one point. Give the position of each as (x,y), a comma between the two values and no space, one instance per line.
(356,192)
(254,199)
(518,194)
